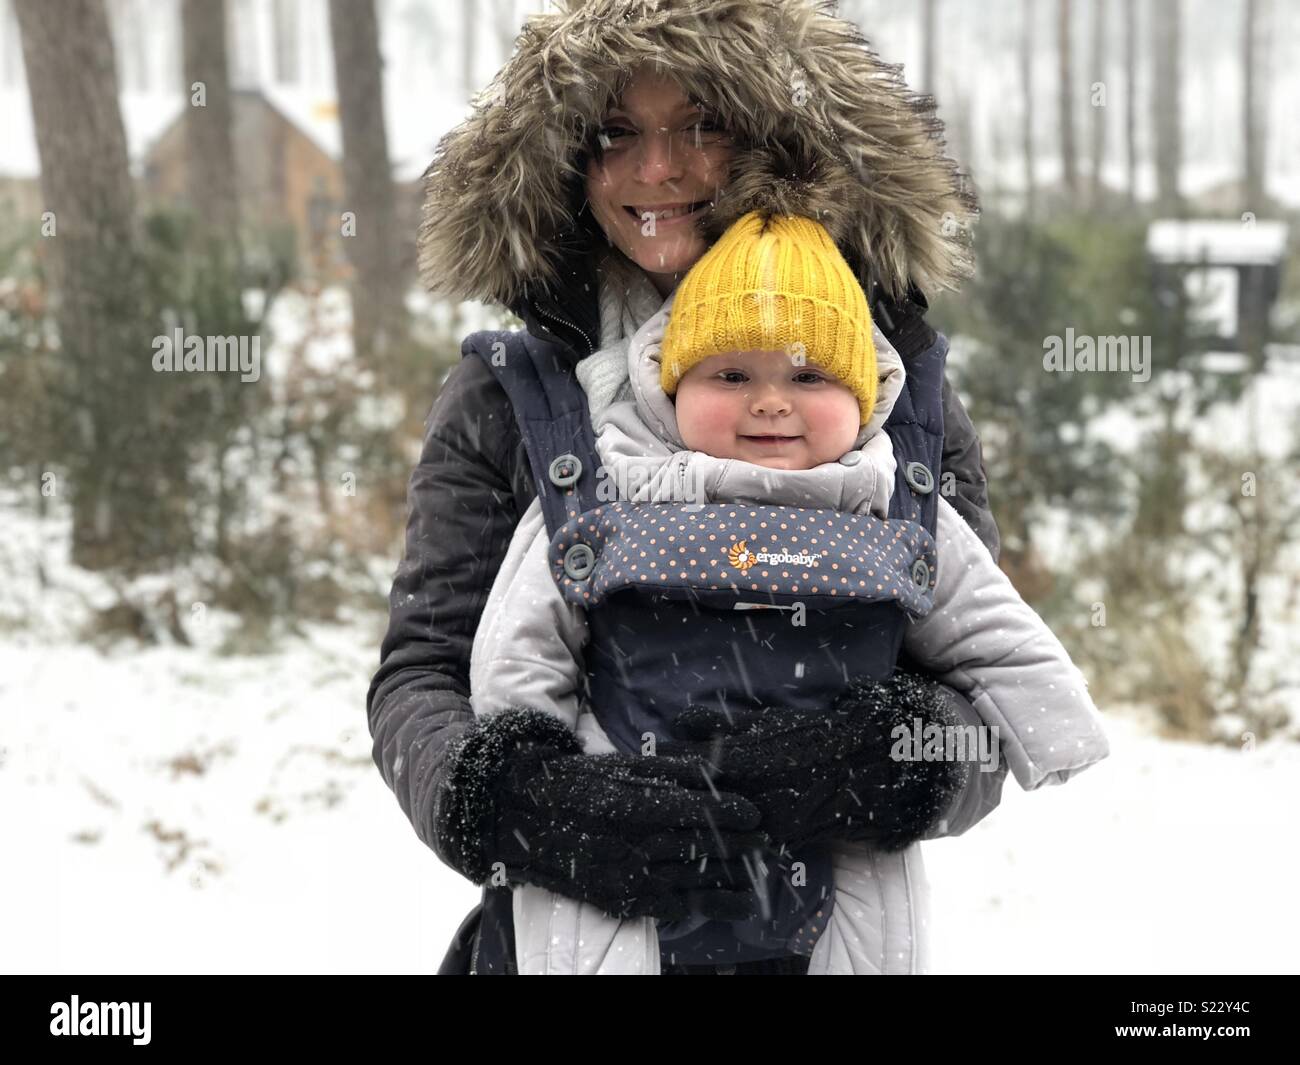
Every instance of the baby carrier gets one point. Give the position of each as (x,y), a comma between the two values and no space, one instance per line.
(722,604)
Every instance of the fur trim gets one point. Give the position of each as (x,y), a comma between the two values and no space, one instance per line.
(823,127)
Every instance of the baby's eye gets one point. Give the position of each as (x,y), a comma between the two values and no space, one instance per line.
(811,377)
(729,375)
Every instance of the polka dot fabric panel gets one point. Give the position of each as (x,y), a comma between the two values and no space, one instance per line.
(728,554)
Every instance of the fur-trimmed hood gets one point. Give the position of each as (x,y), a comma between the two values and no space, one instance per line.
(823,127)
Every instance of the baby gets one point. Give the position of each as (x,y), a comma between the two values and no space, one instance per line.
(762,381)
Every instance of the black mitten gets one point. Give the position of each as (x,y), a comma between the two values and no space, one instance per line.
(634,836)
(832,774)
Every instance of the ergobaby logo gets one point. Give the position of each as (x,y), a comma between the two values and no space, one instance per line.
(740,556)
(101,1018)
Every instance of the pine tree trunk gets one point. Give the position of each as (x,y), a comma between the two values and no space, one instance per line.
(507,24)
(1098,111)
(127,505)
(929,43)
(1065,96)
(1252,141)
(379,326)
(210,174)
(468,25)
(1027,82)
(1166,95)
(1130,97)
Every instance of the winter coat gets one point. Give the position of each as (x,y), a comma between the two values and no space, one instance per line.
(980,637)
(505,222)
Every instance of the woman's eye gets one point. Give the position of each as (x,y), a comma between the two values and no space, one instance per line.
(707,132)
(609,131)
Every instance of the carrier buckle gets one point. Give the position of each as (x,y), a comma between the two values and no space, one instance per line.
(565,470)
(919,478)
(579,561)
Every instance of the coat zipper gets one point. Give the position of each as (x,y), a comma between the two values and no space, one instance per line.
(564,321)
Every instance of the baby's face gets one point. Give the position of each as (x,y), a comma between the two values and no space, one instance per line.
(764,408)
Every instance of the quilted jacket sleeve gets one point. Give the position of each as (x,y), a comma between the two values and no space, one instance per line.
(967,491)
(983,789)
(462,512)
(985,641)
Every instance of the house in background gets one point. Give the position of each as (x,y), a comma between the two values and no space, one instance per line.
(288,156)
(287,139)
(286,178)
(1231,271)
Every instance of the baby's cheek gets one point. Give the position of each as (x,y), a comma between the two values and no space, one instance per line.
(834,421)
(706,421)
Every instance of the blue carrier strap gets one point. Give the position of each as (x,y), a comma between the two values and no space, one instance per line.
(916,427)
(551,409)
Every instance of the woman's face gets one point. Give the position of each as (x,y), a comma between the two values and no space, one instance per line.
(659,150)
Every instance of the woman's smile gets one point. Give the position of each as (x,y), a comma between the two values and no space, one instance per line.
(671,216)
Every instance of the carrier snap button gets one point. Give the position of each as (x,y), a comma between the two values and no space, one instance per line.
(579,561)
(919,477)
(851,459)
(565,470)
(921,573)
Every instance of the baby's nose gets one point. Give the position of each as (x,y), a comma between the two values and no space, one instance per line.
(771,401)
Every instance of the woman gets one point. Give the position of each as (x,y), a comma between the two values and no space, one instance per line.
(610,113)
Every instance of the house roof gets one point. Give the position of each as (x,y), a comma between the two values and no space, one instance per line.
(413,131)
(1230,243)
(144,115)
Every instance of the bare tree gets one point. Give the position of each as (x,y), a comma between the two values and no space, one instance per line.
(127,496)
(962,111)
(1098,108)
(505,20)
(1166,96)
(1130,96)
(1065,99)
(379,323)
(1027,82)
(468,25)
(211,178)
(929,44)
(1252,128)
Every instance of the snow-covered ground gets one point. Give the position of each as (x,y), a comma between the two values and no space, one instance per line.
(175,809)
(1168,857)
(172,810)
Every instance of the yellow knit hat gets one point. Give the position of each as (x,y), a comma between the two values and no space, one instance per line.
(773,282)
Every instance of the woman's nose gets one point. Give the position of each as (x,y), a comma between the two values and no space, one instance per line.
(659,158)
